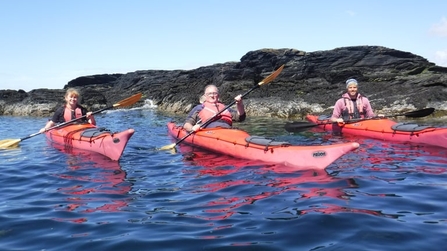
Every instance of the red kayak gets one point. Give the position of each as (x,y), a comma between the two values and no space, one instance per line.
(240,144)
(386,129)
(91,138)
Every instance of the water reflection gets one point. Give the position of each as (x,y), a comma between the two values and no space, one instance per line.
(313,191)
(384,156)
(94,183)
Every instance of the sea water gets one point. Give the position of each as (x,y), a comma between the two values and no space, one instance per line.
(382,196)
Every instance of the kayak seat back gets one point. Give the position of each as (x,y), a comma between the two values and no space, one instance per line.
(95,132)
(409,127)
(262,141)
(323,117)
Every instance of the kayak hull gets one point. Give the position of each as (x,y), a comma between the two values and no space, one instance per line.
(233,142)
(106,143)
(382,129)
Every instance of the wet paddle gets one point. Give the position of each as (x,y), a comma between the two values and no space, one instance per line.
(302,126)
(266,80)
(9,143)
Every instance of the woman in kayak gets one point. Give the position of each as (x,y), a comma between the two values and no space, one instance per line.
(352,104)
(210,107)
(71,110)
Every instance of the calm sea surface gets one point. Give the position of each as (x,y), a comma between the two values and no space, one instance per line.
(383,196)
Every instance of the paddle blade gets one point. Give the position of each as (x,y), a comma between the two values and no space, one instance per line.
(128,101)
(9,143)
(168,147)
(272,76)
(298,126)
(420,113)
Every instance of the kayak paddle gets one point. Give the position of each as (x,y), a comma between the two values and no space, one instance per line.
(301,125)
(9,143)
(416,114)
(266,80)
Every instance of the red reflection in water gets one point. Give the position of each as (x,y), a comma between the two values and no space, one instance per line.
(423,159)
(388,156)
(307,184)
(215,164)
(105,177)
(313,192)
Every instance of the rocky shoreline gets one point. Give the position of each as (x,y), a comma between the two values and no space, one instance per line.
(394,81)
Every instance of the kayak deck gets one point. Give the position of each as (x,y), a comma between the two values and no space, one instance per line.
(91,138)
(233,142)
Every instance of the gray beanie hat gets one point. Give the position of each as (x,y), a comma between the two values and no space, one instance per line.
(350,82)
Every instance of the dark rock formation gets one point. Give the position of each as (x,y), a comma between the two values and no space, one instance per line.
(394,81)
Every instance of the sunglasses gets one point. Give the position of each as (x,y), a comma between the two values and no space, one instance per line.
(209,94)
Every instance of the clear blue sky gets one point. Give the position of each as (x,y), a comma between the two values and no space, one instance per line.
(46,43)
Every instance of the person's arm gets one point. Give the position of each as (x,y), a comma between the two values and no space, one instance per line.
(192,119)
(190,127)
(336,114)
(368,109)
(239,105)
(91,118)
(238,114)
(47,126)
(88,115)
(54,120)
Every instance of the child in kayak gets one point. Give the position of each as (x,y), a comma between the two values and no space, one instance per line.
(210,107)
(70,111)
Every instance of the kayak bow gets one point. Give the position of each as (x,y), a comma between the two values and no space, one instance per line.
(91,138)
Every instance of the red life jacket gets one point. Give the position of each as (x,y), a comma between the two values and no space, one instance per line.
(211,109)
(67,113)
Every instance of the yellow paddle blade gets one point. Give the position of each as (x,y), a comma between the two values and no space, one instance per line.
(128,101)
(168,147)
(9,143)
(272,76)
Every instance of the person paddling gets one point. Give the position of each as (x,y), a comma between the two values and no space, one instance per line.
(71,110)
(210,107)
(352,105)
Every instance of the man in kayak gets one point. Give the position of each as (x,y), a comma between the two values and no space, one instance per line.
(70,111)
(352,104)
(210,107)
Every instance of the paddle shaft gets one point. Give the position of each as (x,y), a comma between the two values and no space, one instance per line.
(301,126)
(266,80)
(226,107)
(125,102)
(207,122)
(65,123)
(297,126)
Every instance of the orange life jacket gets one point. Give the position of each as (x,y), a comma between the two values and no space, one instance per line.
(211,109)
(67,113)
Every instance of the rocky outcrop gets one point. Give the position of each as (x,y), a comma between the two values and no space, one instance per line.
(311,82)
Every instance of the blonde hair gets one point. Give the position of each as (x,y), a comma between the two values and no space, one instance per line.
(202,99)
(71,91)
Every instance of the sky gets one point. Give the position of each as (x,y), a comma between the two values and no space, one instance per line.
(47,43)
